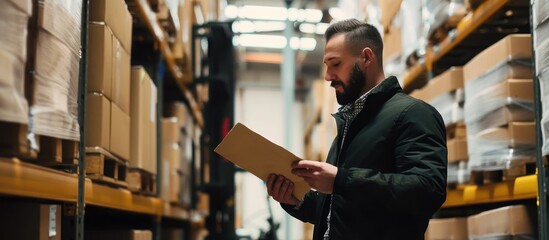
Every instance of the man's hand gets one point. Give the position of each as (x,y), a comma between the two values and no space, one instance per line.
(318,175)
(281,189)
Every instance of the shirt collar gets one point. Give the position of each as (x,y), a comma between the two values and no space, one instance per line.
(350,110)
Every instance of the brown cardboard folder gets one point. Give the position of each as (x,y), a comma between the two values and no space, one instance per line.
(260,156)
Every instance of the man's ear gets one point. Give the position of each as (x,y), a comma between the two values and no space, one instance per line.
(367,56)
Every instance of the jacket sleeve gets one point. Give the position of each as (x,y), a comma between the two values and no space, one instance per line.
(418,186)
(305,212)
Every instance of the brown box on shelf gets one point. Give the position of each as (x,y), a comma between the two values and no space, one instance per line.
(447,228)
(143,121)
(392,43)
(116,15)
(172,153)
(515,46)
(457,150)
(178,110)
(389,9)
(98,121)
(120,133)
(172,234)
(448,81)
(516,133)
(120,76)
(30,221)
(94,234)
(171,131)
(175,186)
(505,221)
(100,59)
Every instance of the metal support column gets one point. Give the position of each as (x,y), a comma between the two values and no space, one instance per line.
(288,93)
(542,168)
(82,90)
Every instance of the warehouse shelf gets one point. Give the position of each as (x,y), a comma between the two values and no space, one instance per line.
(463,44)
(525,187)
(175,212)
(121,199)
(18,178)
(149,18)
(22,179)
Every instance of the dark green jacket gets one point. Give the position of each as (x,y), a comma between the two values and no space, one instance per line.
(391,171)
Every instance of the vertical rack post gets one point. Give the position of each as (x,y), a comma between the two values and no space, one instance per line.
(82,89)
(543,210)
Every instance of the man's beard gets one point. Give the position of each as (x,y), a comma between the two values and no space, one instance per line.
(351,92)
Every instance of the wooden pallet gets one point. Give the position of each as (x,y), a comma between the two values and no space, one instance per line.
(103,167)
(141,181)
(495,176)
(58,153)
(14,142)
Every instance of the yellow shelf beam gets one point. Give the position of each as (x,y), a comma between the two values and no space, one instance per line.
(23,179)
(149,17)
(466,26)
(121,199)
(525,187)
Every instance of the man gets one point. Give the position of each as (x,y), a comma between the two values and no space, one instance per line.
(385,174)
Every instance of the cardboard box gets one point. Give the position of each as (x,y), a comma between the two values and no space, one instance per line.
(389,9)
(100,59)
(171,131)
(143,121)
(514,88)
(178,110)
(392,44)
(516,133)
(172,153)
(98,121)
(172,234)
(62,20)
(120,133)
(175,186)
(515,46)
(457,150)
(94,234)
(505,221)
(448,81)
(447,228)
(24,5)
(109,67)
(121,76)
(30,221)
(116,15)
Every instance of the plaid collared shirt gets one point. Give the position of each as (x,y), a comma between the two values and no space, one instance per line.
(349,112)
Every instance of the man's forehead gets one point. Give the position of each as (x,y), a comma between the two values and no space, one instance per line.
(335,47)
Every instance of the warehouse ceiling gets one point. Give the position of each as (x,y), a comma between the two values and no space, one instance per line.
(261,38)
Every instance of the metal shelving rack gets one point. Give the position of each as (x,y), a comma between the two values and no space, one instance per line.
(491,13)
(24,180)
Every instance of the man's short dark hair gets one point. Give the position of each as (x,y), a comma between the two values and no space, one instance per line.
(358,36)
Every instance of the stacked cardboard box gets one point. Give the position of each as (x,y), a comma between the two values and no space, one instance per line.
(445,93)
(30,221)
(14,17)
(498,105)
(447,228)
(143,100)
(510,222)
(176,154)
(541,47)
(54,107)
(108,101)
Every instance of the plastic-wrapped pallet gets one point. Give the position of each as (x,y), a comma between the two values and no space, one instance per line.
(499,105)
(14,17)
(510,222)
(541,45)
(54,111)
(436,13)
